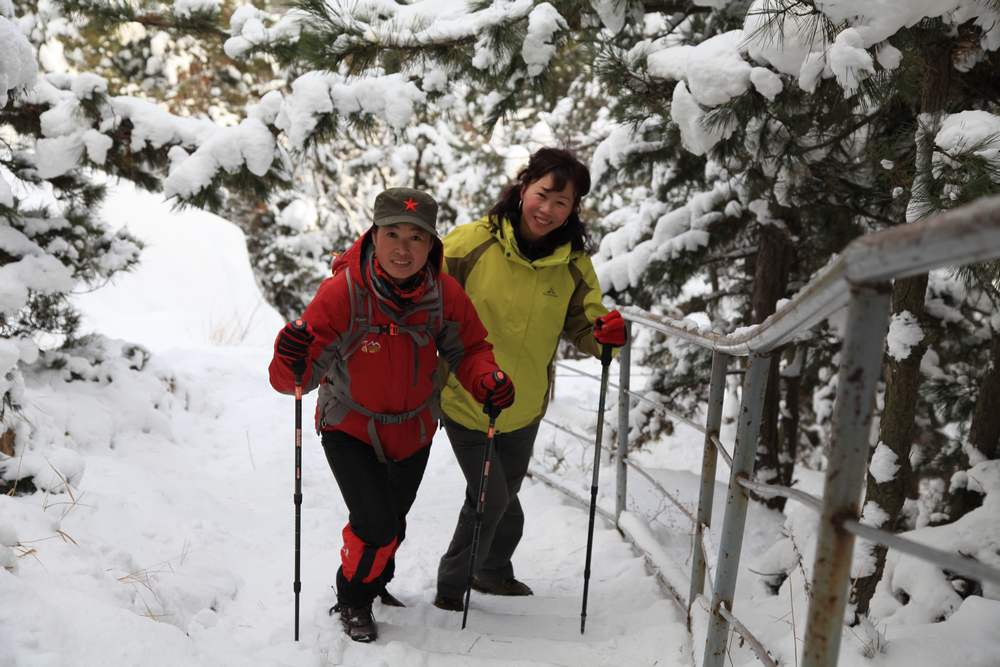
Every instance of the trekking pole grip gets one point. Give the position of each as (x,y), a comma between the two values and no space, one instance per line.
(299,365)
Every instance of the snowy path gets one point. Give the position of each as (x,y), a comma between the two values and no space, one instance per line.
(191,524)
(629,621)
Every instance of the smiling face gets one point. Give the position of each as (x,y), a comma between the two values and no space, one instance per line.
(544,208)
(402,249)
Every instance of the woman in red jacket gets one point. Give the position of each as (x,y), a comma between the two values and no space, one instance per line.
(371,341)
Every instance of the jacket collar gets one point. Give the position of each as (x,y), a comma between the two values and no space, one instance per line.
(505,235)
(354,258)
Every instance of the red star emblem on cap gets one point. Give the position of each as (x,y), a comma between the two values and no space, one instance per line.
(411,204)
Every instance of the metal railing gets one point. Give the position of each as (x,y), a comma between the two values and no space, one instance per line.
(858,279)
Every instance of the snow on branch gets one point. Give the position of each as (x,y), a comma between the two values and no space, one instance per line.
(248,31)
(82,119)
(18,68)
(611,13)
(189,8)
(316,96)
(965,132)
(327,32)
(82,124)
(249,144)
(348,25)
(803,41)
(622,141)
(543,23)
(424,23)
(651,233)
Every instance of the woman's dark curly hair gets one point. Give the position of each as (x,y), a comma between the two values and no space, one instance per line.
(565,168)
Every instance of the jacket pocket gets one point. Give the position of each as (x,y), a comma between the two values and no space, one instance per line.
(332,411)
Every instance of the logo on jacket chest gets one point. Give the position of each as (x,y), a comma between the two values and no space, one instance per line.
(550,292)
(371,346)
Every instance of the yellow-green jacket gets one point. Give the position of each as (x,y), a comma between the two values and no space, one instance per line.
(525,307)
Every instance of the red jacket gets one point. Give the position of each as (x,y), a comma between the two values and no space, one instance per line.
(390,373)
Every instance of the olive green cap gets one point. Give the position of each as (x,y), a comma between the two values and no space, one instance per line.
(397,205)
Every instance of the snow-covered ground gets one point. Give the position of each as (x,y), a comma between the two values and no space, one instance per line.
(174,545)
(178,551)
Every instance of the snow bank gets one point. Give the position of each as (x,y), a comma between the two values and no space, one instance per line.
(913,591)
(191,258)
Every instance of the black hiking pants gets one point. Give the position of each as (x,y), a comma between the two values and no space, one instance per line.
(503,519)
(378,496)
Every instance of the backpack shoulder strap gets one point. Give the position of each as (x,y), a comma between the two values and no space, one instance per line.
(361,317)
(435,321)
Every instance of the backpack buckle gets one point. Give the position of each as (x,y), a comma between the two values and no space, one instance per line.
(393,329)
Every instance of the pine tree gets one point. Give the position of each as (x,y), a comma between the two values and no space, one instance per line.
(59,130)
(51,240)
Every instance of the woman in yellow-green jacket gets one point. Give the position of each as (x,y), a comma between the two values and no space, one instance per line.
(527,270)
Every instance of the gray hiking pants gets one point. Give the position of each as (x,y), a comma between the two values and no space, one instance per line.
(503,520)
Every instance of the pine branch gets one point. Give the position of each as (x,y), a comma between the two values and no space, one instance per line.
(109,15)
(984,276)
(333,35)
(809,23)
(843,134)
(674,6)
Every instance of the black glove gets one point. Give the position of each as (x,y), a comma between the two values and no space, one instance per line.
(294,341)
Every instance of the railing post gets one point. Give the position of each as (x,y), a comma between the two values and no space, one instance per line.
(624,375)
(709,459)
(731,543)
(860,369)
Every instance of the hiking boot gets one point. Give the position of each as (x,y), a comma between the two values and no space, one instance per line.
(448,603)
(389,600)
(509,586)
(358,622)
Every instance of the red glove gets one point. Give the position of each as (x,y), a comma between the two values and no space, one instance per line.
(494,387)
(293,342)
(610,329)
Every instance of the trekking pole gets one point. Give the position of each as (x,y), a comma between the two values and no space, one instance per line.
(605,363)
(299,369)
(493,412)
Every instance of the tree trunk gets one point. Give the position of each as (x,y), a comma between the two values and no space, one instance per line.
(789,434)
(902,381)
(984,435)
(985,432)
(7,442)
(770,283)
(902,378)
